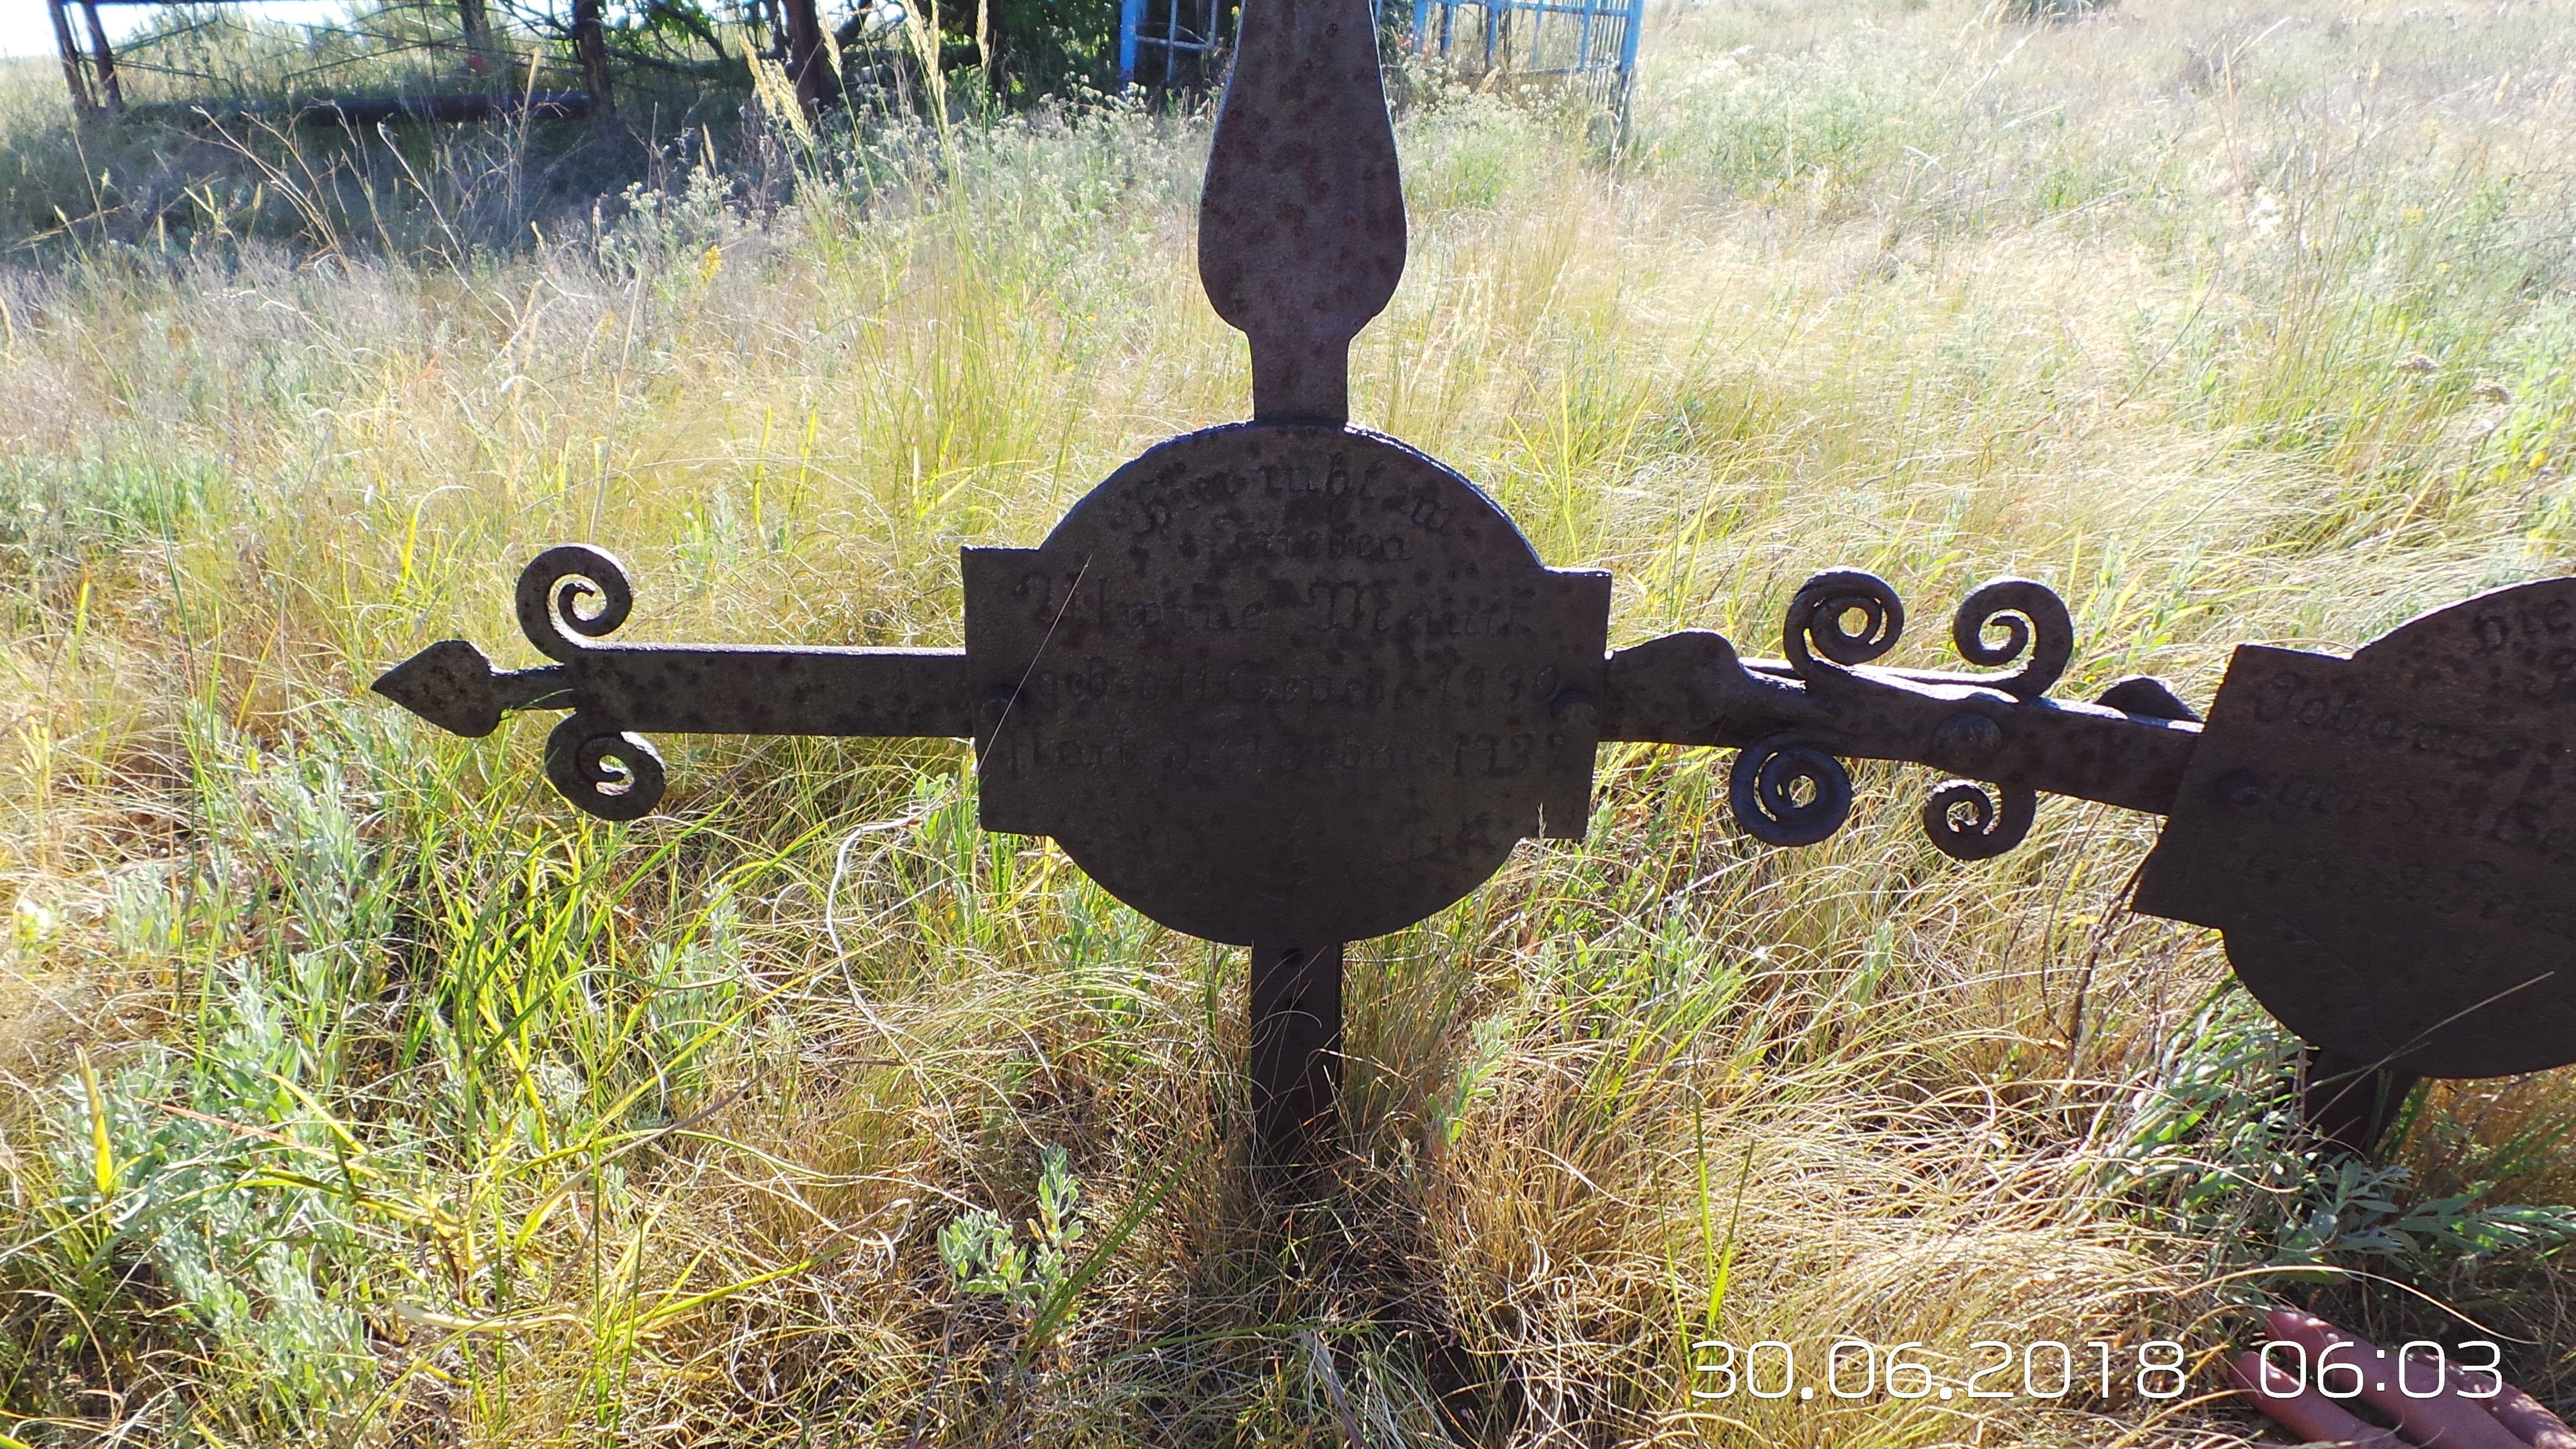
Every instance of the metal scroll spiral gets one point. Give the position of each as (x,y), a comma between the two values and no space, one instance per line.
(571,593)
(1786,792)
(2032,619)
(1965,819)
(1765,786)
(604,770)
(1966,823)
(1820,622)
(568,595)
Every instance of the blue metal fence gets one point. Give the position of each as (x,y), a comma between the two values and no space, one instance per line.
(1172,43)
(1180,42)
(1591,44)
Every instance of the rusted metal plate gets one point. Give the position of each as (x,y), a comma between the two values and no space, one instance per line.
(2388,841)
(1298,684)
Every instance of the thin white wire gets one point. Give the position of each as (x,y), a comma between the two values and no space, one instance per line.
(841,867)
(898,1042)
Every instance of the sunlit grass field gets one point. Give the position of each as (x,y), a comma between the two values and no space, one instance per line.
(355,1090)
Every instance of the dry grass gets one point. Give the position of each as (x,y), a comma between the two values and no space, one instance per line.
(358,1092)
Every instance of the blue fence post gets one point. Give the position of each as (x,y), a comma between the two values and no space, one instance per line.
(1131,18)
(1422,26)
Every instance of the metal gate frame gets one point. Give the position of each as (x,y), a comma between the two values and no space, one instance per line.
(1601,56)
(1186,29)
(90,71)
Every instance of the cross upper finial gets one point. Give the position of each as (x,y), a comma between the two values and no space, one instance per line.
(1301,225)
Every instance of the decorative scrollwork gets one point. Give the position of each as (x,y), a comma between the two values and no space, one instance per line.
(604,770)
(1763,791)
(1819,614)
(2031,618)
(554,586)
(1967,823)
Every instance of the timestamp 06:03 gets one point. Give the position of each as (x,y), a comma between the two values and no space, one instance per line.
(2421,1369)
(1855,1368)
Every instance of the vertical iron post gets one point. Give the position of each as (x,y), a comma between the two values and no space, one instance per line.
(476,17)
(2350,1103)
(1296,1066)
(1131,20)
(1624,79)
(111,93)
(590,43)
(83,100)
(1301,240)
(808,66)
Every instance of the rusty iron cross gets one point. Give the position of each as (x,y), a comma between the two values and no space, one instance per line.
(1288,684)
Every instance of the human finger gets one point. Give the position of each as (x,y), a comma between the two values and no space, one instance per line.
(2518,1412)
(2536,1426)
(2445,1419)
(2303,1411)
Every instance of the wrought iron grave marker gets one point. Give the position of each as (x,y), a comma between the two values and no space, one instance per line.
(1288,684)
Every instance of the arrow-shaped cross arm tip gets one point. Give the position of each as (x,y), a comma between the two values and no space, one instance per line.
(453,685)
